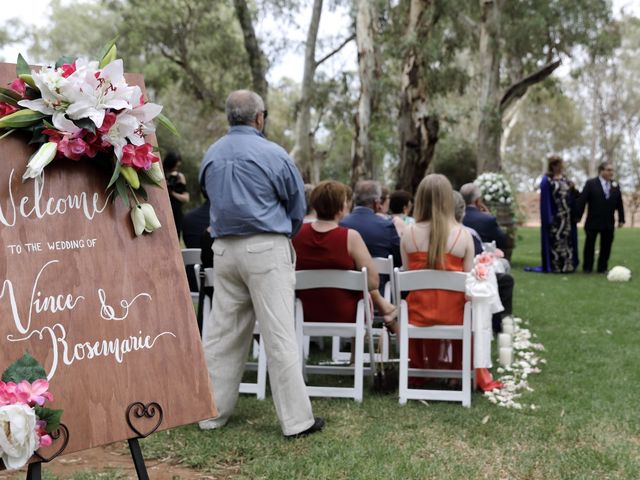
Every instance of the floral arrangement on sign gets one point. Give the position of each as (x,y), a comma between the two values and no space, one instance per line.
(25,424)
(495,188)
(83,109)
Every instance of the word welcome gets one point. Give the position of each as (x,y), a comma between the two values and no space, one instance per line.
(39,207)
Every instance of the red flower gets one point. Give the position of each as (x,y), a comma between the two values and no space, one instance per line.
(128,155)
(6,109)
(68,69)
(19,86)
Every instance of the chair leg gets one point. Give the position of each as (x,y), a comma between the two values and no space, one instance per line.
(358,371)
(404,356)
(262,371)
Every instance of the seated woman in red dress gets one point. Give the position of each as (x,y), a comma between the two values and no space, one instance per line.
(436,241)
(323,244)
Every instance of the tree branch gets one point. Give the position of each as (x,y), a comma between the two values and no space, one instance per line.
(336,50)
(519,88)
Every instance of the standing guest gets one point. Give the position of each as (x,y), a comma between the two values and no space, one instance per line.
(558,232)
(436,241)
(323,244)
(602,196)
(378,233)
(194,225)
(400,205)
(257,204)
(176,186)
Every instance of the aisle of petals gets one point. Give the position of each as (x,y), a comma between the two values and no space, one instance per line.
(515,377)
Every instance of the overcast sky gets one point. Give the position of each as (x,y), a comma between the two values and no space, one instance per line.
(34,12)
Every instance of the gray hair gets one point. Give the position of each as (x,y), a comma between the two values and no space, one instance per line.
(459,206)
(470,192)
(366,193)
(242,106)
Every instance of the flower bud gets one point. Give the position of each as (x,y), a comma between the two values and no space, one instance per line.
(131,176)
(155,173)
(137,218)
(21,118)
(28,79)
(151,221)
(45,154)
(109,57)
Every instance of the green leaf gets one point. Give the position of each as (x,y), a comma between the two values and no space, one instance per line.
(22,67)
(146,179)
(115,175)
(86,123)
(8,99)
(123,191)
(51,416)
(107,47)
(166,123)
(7,133)
(10,93)
(47,123)
(64,59)
(143,193)
(26,368)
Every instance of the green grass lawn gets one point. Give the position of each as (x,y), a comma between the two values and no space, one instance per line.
(586,426)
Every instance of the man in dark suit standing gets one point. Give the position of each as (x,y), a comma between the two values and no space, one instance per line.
(603,197)
(378,233)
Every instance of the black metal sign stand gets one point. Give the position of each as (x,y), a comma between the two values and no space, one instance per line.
(135,412)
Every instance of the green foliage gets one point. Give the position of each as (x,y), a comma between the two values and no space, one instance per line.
(456,159)
(25,368)
(52,417)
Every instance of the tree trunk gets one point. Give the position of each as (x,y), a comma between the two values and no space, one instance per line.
(361,161)
(302,151)
(418,131)
(257,60)
(490,127)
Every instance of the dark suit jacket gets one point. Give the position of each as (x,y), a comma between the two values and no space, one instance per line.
(600,213)
(379,234)
(486,225)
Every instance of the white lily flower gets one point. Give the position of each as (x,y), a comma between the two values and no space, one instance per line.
(137,218)
(90,97)
(43,157)
(124,127)
(151,221)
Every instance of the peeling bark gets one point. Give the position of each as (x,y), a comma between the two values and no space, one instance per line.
(257,60)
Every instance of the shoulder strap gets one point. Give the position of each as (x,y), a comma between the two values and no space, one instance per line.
(456,240)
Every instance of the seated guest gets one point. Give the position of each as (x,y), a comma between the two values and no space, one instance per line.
(485,226)
(400,205)
(378,233)
(477,216)
(436,241)
(310,214)
(323,244)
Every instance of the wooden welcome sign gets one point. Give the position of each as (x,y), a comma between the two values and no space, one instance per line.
(108,314)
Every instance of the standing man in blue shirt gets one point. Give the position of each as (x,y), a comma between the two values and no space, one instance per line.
(257,204)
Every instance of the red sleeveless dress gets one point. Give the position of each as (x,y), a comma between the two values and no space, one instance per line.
(435,307)
(325,250)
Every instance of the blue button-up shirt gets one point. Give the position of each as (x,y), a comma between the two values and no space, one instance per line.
(253,185)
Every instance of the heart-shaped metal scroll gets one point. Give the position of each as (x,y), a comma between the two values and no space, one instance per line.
(62,434)
(139,410)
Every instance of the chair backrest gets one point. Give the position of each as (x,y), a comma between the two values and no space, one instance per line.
(429,280)
(191,256)
(385,267)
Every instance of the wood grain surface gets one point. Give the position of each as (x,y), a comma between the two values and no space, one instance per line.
(108,314)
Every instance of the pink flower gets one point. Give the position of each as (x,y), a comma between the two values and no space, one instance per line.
(6,109)
(44,439)
(145,156)
(19,86)
(485,258)
(72,148)
(68,69)
(128,155)
(107,123)
(10,394)
(499,253)
(481,272)
(35,393)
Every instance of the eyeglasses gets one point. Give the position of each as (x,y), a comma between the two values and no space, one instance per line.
(265,113)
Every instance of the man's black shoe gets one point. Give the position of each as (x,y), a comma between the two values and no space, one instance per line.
(317,426)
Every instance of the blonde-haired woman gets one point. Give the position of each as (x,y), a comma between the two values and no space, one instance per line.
(437,242)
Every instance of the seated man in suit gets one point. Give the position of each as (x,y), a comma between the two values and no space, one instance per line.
(378,233)
(475,216)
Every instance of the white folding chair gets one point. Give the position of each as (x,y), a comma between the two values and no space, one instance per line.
(259,388)
(190,258)
(429,280)
(342,279)
(384,267)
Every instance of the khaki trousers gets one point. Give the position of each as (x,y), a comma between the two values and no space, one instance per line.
(255,280)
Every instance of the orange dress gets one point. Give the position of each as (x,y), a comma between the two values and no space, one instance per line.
(435,307)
